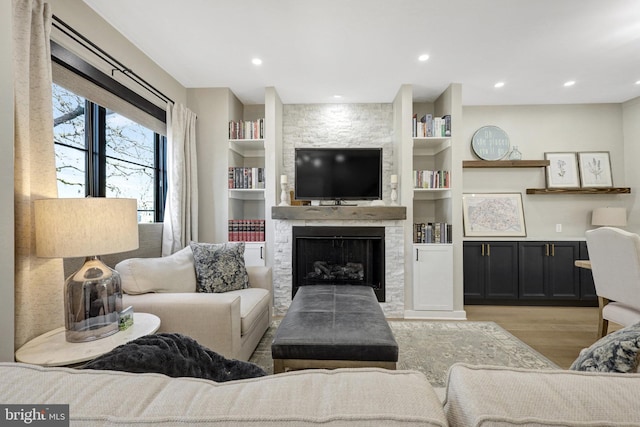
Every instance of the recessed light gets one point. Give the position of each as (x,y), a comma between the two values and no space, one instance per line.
(638,82)
(337,96)
(423,57)
(569,83)
(498,85)
(256,61)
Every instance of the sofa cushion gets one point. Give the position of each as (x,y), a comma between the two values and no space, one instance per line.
(499,396)
(174,355)
(253,303)
(173,273)
(617,352)
(219,267)
(357,397)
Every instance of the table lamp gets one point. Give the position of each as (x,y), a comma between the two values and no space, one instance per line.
(88,227)
(612,217)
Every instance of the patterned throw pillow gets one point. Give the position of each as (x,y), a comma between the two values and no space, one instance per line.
(219,267)
(616,352)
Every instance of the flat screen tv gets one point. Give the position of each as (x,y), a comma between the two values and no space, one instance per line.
(338,173)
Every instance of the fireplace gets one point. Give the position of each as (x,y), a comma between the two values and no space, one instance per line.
(340,256)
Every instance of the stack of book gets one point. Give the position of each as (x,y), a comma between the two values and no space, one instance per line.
(246,178)
(429,126)
(246,230)
(246,129)
(431,179)
(432,232)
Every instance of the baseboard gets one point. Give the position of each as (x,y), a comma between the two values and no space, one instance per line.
(435,315)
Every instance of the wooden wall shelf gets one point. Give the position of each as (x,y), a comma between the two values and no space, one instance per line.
(505,163)
(376,213)
(611,190)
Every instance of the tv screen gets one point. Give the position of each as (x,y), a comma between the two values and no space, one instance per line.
(338,173)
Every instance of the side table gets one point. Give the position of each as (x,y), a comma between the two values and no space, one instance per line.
(51,348)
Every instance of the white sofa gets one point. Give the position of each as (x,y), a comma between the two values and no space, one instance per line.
(229,323)
(475,396)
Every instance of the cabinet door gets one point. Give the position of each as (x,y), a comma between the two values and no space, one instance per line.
(490,271)
(433,277)
(587,286)
(562,275)
(501,274)
(254,254)
(474,267)
(532,266)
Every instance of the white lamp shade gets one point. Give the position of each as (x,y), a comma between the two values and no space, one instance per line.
(91,226)
(612,217)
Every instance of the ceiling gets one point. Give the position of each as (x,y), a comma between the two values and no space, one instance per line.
(363,50)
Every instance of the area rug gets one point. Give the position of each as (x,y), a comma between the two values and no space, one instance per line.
(431,347)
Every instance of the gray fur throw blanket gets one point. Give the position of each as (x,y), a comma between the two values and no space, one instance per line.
(174,355)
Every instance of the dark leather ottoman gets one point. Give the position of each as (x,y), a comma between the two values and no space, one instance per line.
(330,326)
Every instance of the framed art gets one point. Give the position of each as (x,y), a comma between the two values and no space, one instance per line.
(562,171)
(595,169)
(493,215)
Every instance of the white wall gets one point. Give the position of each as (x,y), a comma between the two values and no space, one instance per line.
(631,129)
(6,183)
(550,128)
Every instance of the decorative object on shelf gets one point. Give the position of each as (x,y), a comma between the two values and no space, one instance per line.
(490,143)
(284,197)
(295,202)
(609,217)
(595,169)
(93,226)
(394,190)
(493,214)
(562,171)
(515,154)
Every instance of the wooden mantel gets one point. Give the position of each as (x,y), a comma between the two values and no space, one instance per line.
(375,213)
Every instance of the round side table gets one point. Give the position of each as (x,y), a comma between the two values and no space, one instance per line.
(51,348)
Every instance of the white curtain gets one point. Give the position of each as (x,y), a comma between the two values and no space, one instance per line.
(38,282)
(181,208)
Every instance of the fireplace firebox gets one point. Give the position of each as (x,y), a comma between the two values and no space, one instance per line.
(340,256)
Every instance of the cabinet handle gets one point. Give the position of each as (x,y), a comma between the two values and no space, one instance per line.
(546,245)
(553,249)
(488,249)
(482,254)
(417,254)
(261,253)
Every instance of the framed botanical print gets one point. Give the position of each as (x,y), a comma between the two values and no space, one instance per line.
(595,169)
(562,171)
(493,214)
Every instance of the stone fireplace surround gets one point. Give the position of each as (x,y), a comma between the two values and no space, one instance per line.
(394,260)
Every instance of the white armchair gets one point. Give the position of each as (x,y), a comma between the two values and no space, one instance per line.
(615,263)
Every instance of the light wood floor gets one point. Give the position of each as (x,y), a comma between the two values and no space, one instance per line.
(559,333)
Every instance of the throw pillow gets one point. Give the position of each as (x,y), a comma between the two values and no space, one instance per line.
(173,273)
(174,355)
(220,267)
(616,352)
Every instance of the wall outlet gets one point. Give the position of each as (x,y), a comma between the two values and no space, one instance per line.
(558,228)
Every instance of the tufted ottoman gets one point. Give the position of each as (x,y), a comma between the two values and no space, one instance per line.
(331,326)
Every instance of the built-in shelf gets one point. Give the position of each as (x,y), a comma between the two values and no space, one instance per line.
(505,163)
(610,190)
(376,213)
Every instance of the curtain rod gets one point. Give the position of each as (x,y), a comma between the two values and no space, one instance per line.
(100,53)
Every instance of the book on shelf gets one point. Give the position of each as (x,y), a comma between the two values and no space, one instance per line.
(246,129)
(431,179)
(432,232)
(246,230)
(246,178)
(429,126)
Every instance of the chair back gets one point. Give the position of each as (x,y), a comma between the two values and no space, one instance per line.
(615,264)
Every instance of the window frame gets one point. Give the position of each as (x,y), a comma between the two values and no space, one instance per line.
(95,129)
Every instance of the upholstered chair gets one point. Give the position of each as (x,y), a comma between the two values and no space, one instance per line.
(615,263)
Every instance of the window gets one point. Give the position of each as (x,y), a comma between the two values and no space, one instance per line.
(102,153)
